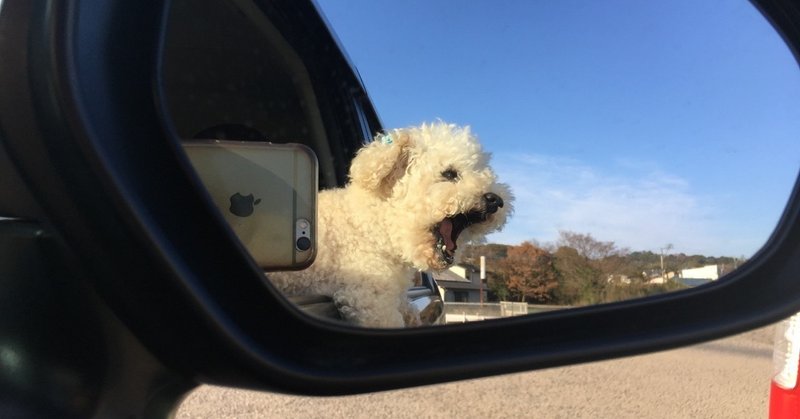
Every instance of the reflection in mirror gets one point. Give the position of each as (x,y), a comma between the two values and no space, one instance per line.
(649,147)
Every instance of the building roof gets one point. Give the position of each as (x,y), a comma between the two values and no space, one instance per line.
(453,285)
(453,281)
(449,276)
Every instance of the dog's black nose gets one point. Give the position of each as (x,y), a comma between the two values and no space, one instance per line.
(493,202)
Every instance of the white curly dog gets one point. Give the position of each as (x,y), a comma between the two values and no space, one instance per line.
(413,193)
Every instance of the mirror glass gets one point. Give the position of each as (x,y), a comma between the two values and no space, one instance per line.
(650,146)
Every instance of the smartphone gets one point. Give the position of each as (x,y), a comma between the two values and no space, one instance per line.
(267,193)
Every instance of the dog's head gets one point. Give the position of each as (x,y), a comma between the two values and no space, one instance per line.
(434,189)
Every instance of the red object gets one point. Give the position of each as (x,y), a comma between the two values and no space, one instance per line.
(783,404)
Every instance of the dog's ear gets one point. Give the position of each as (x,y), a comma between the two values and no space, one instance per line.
(379,164)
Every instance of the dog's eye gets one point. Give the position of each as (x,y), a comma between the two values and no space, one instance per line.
(450,175)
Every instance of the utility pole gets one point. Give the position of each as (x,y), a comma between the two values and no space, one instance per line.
(483,275)
(664,271)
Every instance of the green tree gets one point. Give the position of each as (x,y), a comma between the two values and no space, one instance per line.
(495,278)
(579,281)
(494,253)
(587,246)
(496,284)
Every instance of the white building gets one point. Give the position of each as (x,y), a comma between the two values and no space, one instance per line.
(706,272)
(462,284)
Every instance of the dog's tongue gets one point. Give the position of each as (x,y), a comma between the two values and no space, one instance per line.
(446,230)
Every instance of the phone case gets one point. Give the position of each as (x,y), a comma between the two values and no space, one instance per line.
(267,193)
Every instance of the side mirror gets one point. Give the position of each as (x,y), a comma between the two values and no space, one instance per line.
(84,121)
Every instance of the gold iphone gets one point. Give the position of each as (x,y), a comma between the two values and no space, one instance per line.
(267,193)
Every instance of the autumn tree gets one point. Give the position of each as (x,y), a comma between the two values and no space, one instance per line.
(578,269)
(530,273)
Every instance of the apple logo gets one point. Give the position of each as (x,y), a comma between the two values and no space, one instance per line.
(243,206)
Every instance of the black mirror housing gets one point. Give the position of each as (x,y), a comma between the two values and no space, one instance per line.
(82,119)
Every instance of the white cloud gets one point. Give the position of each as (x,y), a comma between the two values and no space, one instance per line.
(635,204)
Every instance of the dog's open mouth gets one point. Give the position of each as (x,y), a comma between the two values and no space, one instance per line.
(448,230)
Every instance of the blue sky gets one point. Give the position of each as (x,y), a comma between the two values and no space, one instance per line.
(642,123)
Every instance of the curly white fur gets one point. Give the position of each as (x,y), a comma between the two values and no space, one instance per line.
(375,233)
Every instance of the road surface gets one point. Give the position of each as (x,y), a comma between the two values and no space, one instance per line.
(727,378)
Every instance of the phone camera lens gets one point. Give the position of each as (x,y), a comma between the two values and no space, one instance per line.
(303,243)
